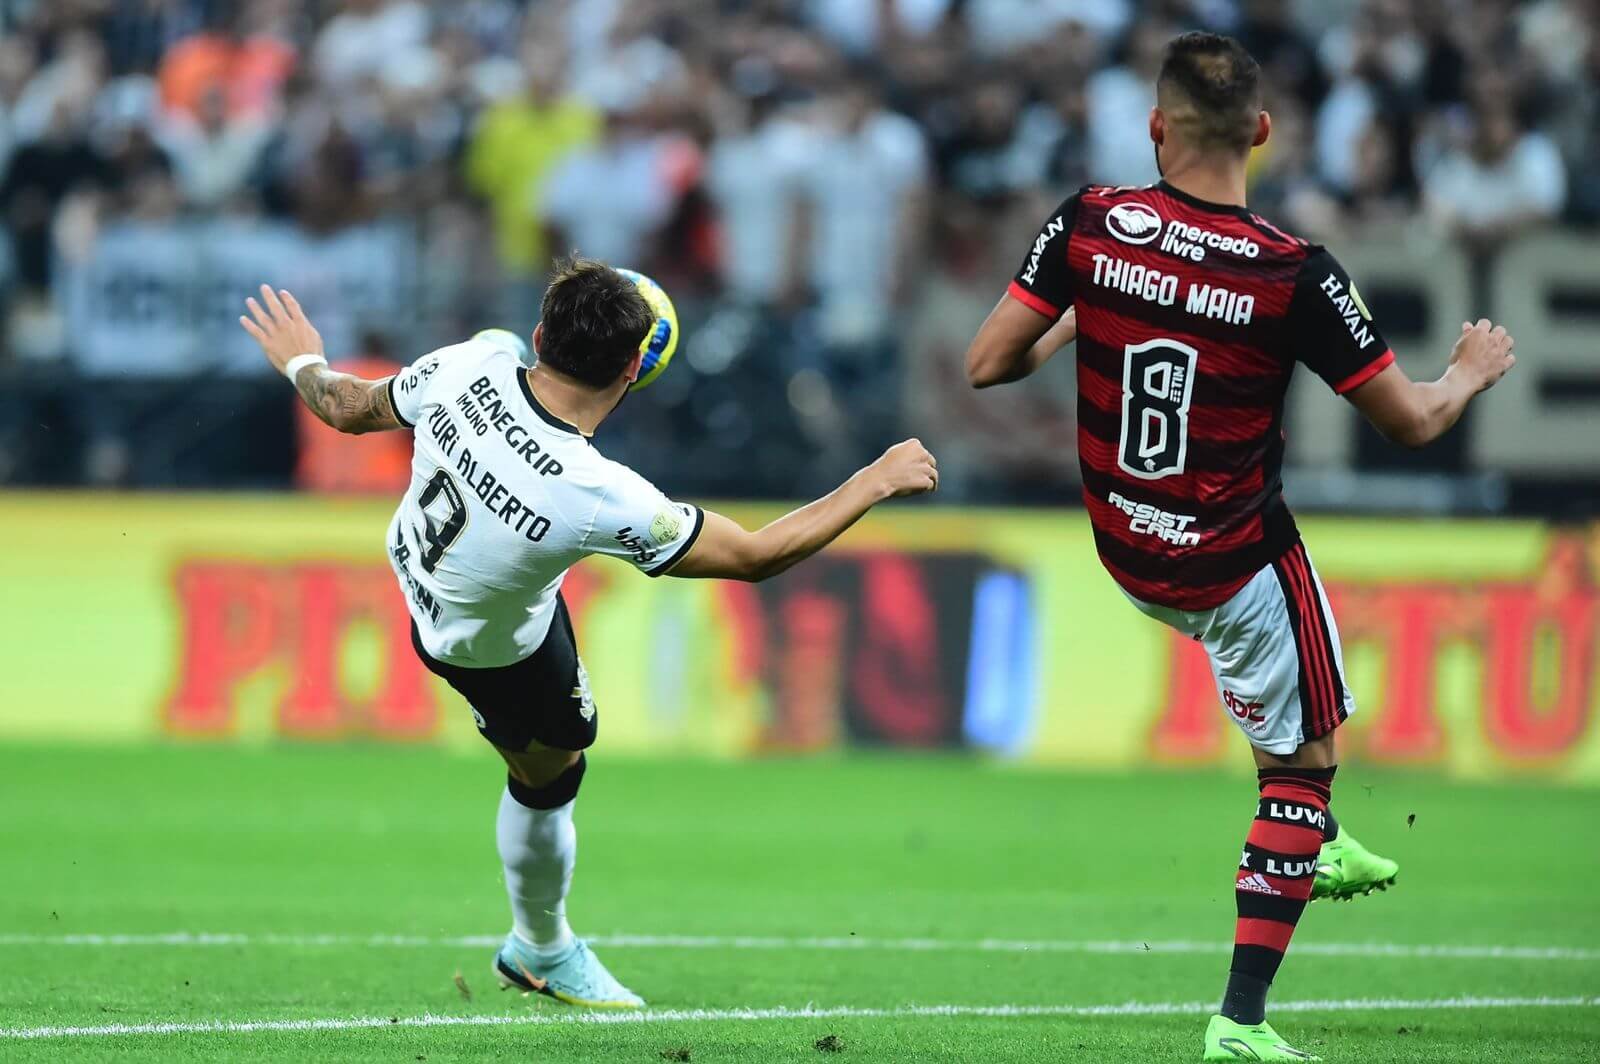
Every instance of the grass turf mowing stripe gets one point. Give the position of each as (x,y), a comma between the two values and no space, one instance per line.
(778,942)
(1132,1008)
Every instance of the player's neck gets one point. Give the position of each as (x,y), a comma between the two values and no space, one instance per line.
(1214,181)
(581,407)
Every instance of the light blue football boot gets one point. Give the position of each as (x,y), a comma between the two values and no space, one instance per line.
(576,977)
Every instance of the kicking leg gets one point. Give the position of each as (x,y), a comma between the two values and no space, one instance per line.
(538,846)
(1345,868)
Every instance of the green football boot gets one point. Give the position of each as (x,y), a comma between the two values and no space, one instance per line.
(1226,1040)
(1346,868)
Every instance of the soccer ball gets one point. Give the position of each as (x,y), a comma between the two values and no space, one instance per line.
(661,341)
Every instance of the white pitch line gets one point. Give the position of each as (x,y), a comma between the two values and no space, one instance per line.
(851,942)
(1131,1008)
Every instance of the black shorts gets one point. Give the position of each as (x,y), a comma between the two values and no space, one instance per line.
(543,698)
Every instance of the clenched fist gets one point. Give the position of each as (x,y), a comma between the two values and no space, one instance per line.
(1483,351)
(907,468)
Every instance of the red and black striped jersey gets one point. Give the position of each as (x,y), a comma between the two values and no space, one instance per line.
(1191,317)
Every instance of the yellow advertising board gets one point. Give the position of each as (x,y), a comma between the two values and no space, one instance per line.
(1471,646)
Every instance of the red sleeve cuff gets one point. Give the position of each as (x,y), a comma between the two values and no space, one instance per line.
(1032,302)
(1362,376)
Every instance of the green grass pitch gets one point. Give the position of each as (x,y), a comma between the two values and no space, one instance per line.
(869,890)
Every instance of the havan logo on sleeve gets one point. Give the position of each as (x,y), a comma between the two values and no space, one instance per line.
(1349,307)
(1051,230)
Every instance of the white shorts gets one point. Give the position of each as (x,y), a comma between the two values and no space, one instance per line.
(1275,654)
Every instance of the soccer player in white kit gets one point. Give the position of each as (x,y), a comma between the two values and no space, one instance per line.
(507,493)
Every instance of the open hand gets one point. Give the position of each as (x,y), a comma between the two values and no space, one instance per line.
(280,327)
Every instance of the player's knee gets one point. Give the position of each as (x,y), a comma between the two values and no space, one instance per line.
(1321,752)
(545,779)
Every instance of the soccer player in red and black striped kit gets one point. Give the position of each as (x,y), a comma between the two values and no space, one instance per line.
(1189,313)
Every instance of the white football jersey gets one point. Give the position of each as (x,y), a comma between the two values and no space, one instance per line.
(504,498)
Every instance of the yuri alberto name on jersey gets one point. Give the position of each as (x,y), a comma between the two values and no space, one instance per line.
(484,411)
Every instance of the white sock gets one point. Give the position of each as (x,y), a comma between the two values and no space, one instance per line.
(538,848)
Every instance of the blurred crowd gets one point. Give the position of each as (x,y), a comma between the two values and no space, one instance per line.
(826,186)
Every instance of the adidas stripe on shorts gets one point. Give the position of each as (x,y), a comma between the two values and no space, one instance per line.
(1275,654)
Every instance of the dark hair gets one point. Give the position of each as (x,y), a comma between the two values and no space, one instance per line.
(1211,87)
(594,321)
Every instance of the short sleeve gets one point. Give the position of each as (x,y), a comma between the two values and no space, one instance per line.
(1331,329)
(407,387)
(1044,281)
(636,522)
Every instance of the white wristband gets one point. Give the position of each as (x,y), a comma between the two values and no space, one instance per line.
(300,362)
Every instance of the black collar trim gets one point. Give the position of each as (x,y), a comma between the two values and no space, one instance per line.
(1204,205)
(544,415)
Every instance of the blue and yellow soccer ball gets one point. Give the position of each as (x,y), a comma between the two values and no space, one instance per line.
(659,343)
(662,340)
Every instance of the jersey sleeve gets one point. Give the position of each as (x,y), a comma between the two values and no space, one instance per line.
(407,388)
(1044,281)
(636,522)
(1330,327)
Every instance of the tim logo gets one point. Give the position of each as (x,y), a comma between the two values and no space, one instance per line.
(1133,223)
(1242,710)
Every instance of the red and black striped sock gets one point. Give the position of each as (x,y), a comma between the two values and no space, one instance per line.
(1274,882)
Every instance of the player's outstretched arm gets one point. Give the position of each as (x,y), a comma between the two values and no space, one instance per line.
(1014,341)
(724,549)
(1415,413)
(294,347)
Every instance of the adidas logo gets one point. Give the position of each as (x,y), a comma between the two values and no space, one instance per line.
(1256,883)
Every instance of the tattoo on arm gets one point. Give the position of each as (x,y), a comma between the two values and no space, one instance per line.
(346,402)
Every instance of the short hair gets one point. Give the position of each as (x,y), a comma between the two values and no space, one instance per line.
(1211,88)
(594,321)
